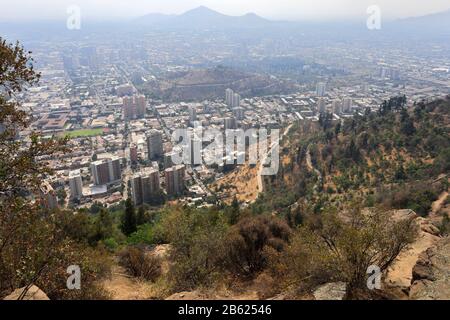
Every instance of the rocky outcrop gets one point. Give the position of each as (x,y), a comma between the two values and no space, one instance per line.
(34,293)
(400,273)
(331,291)
(431,274)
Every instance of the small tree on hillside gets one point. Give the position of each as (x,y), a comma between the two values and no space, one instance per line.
(129,219)
(343,247)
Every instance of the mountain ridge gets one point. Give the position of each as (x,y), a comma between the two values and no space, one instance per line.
(203,17)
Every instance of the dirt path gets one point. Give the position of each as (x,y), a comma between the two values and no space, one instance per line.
(437,205)
(311,167)
(122,287)
(400,274)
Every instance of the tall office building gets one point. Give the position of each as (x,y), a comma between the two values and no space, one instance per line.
(106,171)
(321,89)
(174,178)
(145,186)
(229,97)
(134,107)
(75,185)
(154,145)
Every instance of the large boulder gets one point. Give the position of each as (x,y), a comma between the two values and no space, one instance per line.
(34,293)
(431,274)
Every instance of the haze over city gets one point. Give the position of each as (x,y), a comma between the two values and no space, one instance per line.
(32,10)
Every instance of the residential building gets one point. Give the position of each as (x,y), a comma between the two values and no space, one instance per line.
(155,145)
(174,178)
(75,185)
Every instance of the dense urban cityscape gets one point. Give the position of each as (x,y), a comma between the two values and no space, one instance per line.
(120,137)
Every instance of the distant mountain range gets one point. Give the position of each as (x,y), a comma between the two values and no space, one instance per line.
(203,17)
(435,26)
(437,21)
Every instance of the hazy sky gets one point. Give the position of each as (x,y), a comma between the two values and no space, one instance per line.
(20,10)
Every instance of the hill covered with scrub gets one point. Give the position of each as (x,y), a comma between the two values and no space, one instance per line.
(398,158)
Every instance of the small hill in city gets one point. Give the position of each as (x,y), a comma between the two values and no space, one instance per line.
(211,83)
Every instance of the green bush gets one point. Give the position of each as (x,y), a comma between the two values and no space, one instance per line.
(144,235)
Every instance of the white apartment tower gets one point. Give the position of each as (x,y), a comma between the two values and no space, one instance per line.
(75,185)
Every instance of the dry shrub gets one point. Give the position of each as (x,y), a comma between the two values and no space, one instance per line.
(248,240)
(342,249)
(140,264)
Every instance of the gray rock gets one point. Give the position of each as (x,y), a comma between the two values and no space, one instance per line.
(331,291)
(431,274)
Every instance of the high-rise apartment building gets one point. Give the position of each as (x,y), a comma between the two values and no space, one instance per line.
(106,171)
(133,153)
(145,186)
(174,178)
(155,144)
(134,107)
(75,185)
(229,97)
(236,102)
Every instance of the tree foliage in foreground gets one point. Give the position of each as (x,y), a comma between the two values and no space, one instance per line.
(34,249)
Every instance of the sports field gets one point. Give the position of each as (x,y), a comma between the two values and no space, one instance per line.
(84,133)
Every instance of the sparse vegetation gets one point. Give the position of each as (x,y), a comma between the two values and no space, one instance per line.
(140,264)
